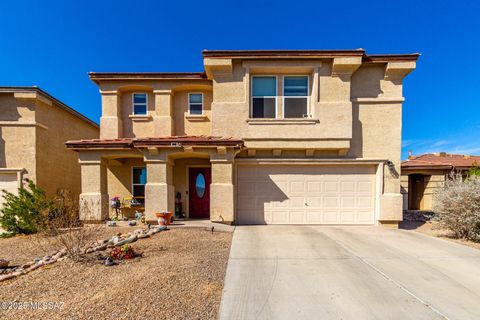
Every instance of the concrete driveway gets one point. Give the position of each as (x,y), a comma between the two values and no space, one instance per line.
(318,272)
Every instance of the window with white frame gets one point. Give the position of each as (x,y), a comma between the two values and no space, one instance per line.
(264,96)
(139,103)
(295,96)
(139,179)
(195,103)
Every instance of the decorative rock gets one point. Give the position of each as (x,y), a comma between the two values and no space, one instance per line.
(4,263)
(139,231)
(109,262)
(132,223)
(126,241)
(111,223)
(114,240)
(138,215)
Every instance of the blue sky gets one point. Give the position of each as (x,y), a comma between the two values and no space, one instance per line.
(53,44)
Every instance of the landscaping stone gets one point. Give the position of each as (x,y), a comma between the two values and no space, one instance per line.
(132,223)
(4,263)
(126,241)
(111,223)
(109,262)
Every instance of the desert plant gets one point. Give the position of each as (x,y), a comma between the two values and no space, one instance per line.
(474,170)
(26,212)
(457,206)
(124,252)
(64,229)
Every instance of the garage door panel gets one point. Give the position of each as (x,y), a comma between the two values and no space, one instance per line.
(331,186)
(347,216)
(331,202)
(314,217)
(279,217)
(331,217)
(347,186)
(314,202)
(365,186)
(297,217)
(299,194)
(347,202)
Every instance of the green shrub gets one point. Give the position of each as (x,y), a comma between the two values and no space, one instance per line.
(26,212)
(474,170)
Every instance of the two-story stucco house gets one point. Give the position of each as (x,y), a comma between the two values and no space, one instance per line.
(260,137)
(33,129)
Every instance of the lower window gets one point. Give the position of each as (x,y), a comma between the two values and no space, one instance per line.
(264,108)
(295,107)
(139,179)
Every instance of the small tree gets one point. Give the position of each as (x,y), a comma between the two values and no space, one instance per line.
(26,212)
(474,170)
(457,206)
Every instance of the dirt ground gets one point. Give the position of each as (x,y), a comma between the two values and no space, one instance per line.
(179,277)
(431,228)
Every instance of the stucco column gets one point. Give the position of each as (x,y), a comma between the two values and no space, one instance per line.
(94,197)
(159,190)
(222,199)
(111,125)
(163,117)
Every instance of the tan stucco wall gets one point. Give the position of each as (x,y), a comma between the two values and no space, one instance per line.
(58,167)
(33,135)
(18,134)
(192,125)
(116,120)
(119,176)
(330,107)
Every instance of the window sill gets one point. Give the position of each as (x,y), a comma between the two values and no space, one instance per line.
(196,117)
(140,117)
(281,121)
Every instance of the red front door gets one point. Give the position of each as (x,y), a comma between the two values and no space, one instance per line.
(199,192)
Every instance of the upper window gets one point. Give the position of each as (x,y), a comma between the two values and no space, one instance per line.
(264,97)
(140,103)
(195,103)
(139,179)
(295,92)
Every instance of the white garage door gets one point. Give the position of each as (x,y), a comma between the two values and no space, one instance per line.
(8,182)
(305,194)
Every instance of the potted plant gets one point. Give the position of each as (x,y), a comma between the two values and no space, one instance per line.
(164,218)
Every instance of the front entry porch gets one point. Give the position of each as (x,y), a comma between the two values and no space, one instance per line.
(194,175)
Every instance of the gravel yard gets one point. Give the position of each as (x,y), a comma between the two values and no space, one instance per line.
(432,229)
(180,277)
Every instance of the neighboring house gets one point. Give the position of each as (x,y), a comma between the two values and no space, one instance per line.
(261,137)
(422,175)
(33,129)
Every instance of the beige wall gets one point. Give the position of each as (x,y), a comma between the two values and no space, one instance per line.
(33,135)
(163,97)
(185,124)
(58,167)
(18,134)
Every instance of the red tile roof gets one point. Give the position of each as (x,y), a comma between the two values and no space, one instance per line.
(154,142)
(440,161)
